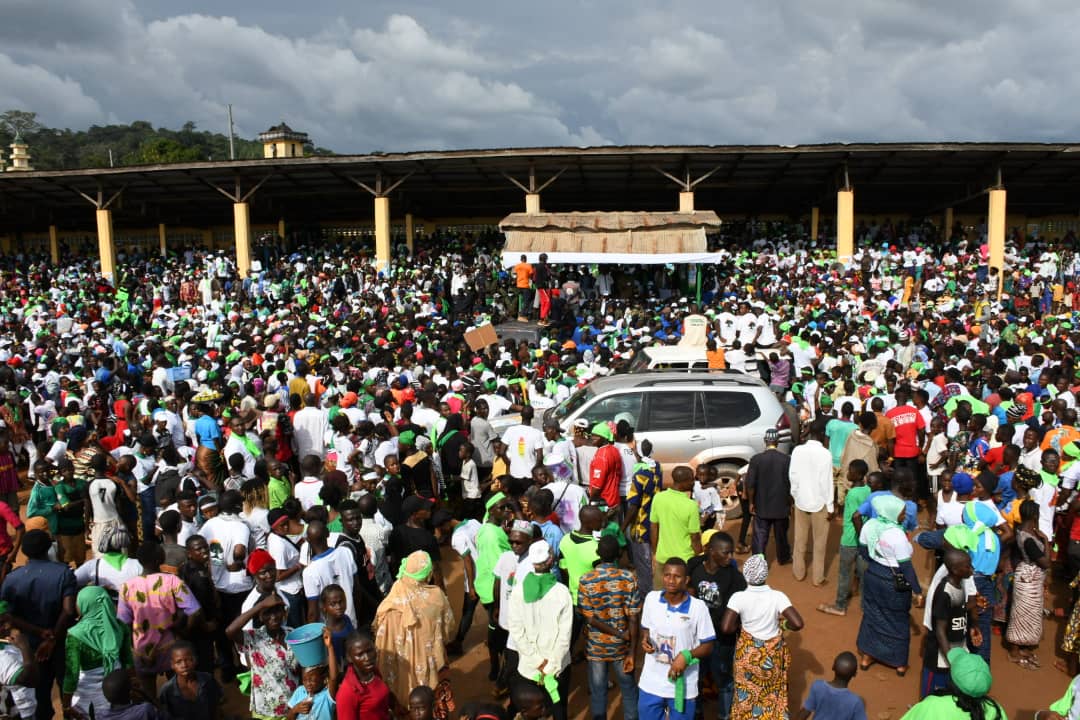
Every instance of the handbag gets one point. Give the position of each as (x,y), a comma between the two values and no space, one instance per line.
(899,581)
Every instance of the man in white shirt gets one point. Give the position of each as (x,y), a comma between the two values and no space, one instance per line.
(525,445)
(287,561)
(228,537)
(247,445)
(328,566)
(812,491)
(307,490)
(309,428)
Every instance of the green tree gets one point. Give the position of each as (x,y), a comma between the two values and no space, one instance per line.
(158,151)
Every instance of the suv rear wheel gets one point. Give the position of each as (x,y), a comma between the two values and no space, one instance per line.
(727,478)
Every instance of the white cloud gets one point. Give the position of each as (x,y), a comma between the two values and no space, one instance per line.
(417,75)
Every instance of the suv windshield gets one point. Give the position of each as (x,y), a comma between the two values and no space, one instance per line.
(572,403)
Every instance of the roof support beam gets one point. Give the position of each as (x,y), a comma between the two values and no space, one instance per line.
(380,190)
(686,184)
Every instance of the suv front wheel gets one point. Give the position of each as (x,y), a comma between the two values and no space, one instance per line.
(727,480)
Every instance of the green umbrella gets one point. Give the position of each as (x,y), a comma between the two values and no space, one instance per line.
(978,407)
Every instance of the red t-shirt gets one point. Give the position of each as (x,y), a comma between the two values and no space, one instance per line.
(907,422)
(605,473)
(363,701)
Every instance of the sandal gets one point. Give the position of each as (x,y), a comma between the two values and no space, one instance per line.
(1034,660)
(741,549)
(866,663)
(901,671)
(1026,664)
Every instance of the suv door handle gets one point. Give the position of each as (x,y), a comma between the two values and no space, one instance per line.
(696,438)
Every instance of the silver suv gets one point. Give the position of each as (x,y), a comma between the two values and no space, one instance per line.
(717,419)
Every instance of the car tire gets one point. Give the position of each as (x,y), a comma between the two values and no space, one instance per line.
(727,475)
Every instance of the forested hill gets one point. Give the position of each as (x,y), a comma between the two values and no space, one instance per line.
(139,143)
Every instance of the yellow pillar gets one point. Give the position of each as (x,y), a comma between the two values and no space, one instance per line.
(686,202)
(532,203)
(5,244)
(208,239)
(242,234)
(54,245)
(382,233)
(161,239)
(845,224)
(409,233)
(106,247)
(948,224)
(815,216)
(995,230)
(281,228)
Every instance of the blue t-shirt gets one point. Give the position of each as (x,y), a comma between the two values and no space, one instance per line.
(208,432)
(322,706)
(911,510)
(833,703)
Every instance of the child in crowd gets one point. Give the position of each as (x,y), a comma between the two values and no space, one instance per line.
(314,699)
(422,703)
(190,694)
(362,692)
(116,687)
(850,567)
(951,618)
(333,602)
(833,700)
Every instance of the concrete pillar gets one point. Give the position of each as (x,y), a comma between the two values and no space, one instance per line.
(106,246)
(995,230)
(409,233)
(5,244)
(532,203)
(845,224)
(54,245)
(242,235)
(161,240)
(382,233)
(281,228)
(208,239)
(948,224)
(815,216)
(686,202)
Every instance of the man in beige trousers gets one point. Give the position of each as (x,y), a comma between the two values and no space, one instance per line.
(812,491)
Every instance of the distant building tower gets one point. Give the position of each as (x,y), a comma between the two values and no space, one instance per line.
(281,141)
(20,156)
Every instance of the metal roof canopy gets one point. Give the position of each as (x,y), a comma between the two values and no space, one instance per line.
(921,178)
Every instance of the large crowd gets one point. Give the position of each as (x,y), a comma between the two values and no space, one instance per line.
(259,483)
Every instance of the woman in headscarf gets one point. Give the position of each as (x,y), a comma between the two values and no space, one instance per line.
(412,626)
(1032,560)
(95,646)
(112,567)
(888,586)
(761,654)
(965,697)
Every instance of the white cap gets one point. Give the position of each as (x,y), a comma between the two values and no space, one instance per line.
(539,552)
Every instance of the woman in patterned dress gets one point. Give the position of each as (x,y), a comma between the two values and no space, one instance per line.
(1025,627)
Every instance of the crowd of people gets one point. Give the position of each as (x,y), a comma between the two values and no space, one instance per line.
(215,465)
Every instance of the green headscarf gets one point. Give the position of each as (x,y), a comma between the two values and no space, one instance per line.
(98,627)
(888,508)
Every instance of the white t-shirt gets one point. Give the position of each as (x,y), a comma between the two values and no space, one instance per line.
(344,448)
(258,522)
(759,608)
(969,590)
(223,534)
(470,480)
(573,498)
(949,513)
(672,630)
(97,571)
(629,461)
(463,540)
(497,404)
(333,567)
(285,556)
(509,569)
(103,500)
(307,492)
(252,598)
(22,696)
(522,442)
(1044,497)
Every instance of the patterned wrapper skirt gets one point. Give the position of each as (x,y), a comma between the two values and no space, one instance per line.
(1026,618)
(761,678)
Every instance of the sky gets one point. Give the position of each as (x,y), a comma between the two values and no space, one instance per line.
(371,75)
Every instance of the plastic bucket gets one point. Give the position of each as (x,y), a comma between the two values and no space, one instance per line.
(307,644)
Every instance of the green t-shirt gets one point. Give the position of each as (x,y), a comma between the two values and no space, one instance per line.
(838,431)
(938,707)
(71,520)
(491,543)
(42,502)
(855,497)
(578,553)
(279,491)
(679,519)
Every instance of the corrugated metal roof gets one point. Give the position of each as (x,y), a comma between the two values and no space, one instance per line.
(604,221)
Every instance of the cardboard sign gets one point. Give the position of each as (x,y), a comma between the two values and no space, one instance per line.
(481,337)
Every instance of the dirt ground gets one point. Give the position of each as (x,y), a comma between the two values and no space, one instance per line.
(887,696)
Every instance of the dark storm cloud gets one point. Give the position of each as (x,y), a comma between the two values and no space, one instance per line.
(395,76)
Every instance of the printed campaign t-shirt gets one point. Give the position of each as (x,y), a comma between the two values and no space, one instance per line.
(672,629)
